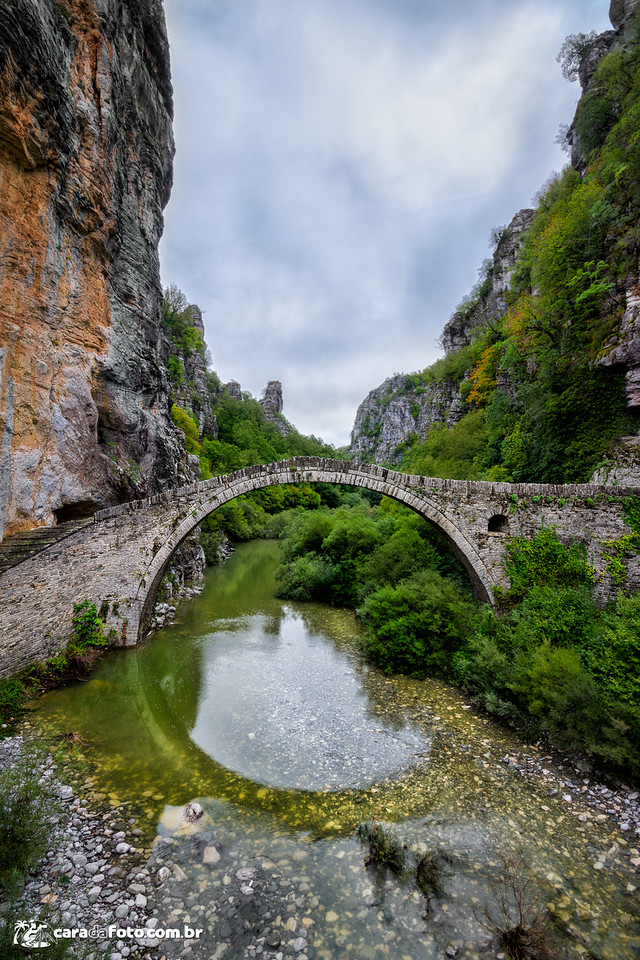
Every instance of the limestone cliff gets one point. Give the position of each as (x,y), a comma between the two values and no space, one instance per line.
(624,348)
(86,153)
(194,387)
(405,407)
(488,301)
(397,410)
(273,405)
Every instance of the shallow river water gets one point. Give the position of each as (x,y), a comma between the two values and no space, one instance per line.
(266,713)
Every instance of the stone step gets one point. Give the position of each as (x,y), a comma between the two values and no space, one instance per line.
(22,546)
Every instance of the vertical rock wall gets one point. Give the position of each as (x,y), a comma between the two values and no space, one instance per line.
(86,152)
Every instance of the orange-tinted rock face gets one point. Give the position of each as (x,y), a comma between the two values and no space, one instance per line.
(85,171)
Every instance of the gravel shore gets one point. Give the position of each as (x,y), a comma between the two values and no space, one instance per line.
(101,871)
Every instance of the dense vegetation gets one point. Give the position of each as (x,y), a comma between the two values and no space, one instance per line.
(558,661)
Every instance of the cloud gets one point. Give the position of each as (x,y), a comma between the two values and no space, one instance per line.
(339,166)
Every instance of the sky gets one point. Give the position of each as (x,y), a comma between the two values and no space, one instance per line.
(340,165)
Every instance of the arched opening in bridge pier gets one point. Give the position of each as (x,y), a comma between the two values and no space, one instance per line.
(498,523)
(81,510)
(284,474)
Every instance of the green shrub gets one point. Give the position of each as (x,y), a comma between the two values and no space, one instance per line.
(176,371)
(397,558)
(306,578)
(575,678)
(417,626)
(13,694)
(613,656)
(485,664)
(456,452)
(28,811)
(88,628)
(545,561)
(561,615)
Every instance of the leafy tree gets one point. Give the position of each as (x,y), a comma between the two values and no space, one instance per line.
(572,53)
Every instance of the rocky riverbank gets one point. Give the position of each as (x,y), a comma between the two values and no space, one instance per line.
(565,778)
(102,876)
(106,869)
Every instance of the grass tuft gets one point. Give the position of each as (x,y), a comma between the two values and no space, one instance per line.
(385,850)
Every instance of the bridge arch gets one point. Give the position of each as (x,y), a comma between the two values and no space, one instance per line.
(205,497)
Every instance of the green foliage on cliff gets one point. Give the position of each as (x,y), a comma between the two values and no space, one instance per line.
(245,436)
(189,427)
(179,322)
(457,453)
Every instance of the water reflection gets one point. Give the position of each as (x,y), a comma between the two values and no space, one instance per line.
(288,709)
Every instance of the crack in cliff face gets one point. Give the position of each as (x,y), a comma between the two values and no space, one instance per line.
(86,152)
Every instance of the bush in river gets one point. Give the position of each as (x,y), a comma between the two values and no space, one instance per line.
(430,874)
(515,917)
(385,850)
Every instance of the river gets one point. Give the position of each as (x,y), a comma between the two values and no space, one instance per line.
(265,711)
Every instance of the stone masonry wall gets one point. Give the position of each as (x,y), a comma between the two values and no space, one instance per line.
(118,560)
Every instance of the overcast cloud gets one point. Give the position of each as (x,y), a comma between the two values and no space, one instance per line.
(339,167)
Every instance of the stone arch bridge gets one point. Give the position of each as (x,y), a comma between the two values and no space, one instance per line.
(118,558)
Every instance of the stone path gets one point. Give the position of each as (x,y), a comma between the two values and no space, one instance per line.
(23,546)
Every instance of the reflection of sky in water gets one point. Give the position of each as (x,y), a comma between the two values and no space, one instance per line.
(289,711)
